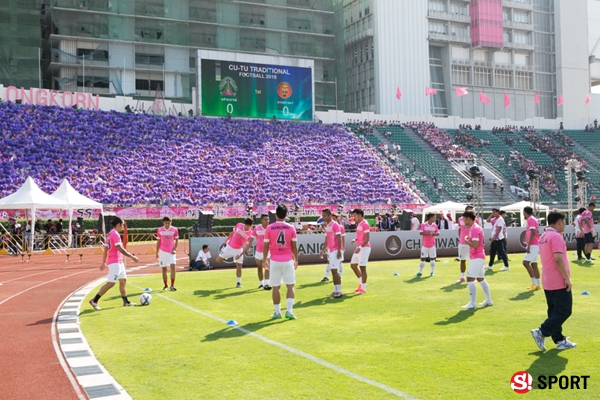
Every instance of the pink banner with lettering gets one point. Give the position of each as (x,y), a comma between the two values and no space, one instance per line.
(307,211)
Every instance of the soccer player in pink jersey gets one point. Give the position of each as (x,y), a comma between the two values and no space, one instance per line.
(429,231)
(360,257)
(280,243)
(166,245)
(463,248)
(258,234)
(588,231)
(556,279)
(113,258)
(532,236)
(476,271)
(236,245)
(333,245)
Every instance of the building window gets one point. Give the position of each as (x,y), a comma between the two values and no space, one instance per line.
(437,6)
(507,36)
(149,59)
(521,17)
(522,37)
(437,27)
(459,8)
(503,78)
(461,75)
(522,80)
(482,76)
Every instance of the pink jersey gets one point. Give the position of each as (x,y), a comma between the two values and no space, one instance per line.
(360,233)
(259,234)
(343,233)
(167,238)
(476,234)
(461,230)
(588,218)
(552,242)
(114,255)
(429,241)
(532,228)
(240,237)
(332,230)
(279,236)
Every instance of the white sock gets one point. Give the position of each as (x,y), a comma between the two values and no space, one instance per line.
(266,281)
(262,283)
(337,288)
(462,275)
(239,280)
(537,281)
(486,290)
(432,266)
(363,286)
(421,266)
(533,281)
(472,292)
(277,308)
(290,304)
(360,280)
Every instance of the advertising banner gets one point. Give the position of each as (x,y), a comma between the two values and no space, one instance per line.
(384,245)
(256,90)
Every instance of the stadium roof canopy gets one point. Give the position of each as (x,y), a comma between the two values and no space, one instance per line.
(73,198)
(30,197)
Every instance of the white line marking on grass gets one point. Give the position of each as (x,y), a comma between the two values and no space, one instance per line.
(300,353)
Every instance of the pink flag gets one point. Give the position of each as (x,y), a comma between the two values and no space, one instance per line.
(587,99)
(398,93)
(506,100)
(560,101)
(429,91)
(536,99)
(483,98)
(461,91)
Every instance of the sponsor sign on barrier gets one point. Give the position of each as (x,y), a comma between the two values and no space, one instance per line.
(384,245)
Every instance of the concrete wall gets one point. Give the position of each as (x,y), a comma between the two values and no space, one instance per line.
(452,122)
(572,57)
(401,56)
(594,40)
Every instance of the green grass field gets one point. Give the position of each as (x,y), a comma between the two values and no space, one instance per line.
(406,333)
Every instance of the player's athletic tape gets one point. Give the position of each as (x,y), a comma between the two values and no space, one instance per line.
(300,353)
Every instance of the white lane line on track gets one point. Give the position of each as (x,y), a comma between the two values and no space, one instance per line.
(41,284)
(297,352)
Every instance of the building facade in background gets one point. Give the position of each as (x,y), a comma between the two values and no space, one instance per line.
(126,47)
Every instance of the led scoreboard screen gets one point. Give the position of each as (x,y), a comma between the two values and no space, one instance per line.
(256,90)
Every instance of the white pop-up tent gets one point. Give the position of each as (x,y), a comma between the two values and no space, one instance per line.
(30,197)
(520,206)
(75,200)
(445,207)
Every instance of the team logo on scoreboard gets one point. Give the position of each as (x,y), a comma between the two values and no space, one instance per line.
(284,90)
(228,87)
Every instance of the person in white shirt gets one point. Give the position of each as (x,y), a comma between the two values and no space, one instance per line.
(578,223)
(497,240)
(203,259)
(414,223)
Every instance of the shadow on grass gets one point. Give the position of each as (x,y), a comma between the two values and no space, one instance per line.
(206,293)
(453,287)
(582,263)
(490,272)
(548,363)
(314,284)
(416,279)
(460,316)
(118,295)
(523,296)
(235,332)
(234,293)
(322,301)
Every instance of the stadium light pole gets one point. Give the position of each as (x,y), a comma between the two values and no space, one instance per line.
(39,68)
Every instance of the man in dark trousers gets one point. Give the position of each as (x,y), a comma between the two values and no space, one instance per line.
(556,280)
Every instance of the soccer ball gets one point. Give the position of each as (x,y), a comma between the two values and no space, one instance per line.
(145,299)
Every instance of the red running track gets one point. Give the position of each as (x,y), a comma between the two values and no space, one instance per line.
(30,294)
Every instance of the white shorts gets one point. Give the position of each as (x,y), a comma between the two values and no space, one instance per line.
(258,255)
(532,256)
(428,252)
(116,271)
(282,272)
(463,252)
(362,257)
(230,252)
(334,262)
(475,268)
(165,259)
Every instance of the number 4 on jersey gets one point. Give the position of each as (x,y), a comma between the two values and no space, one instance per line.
(281,239)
